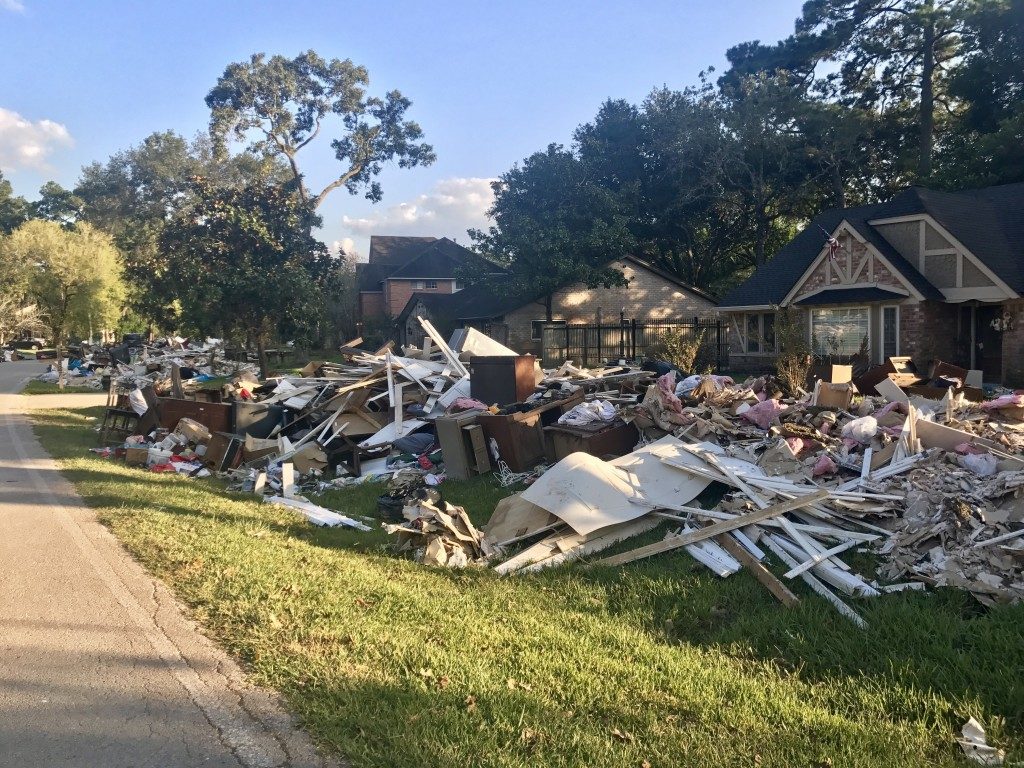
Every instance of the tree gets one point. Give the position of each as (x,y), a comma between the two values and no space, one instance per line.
(890,57)
(14,209)
(554,225)
(73,276)
(282,104)
(135,193)
(57,204)
(987,146)
(245,261)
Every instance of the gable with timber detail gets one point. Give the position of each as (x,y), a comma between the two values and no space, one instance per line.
(855,264)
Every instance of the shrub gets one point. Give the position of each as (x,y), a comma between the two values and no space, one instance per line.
(793,363)
(690,351)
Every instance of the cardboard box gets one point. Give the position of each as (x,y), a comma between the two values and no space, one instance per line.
(192,431)
(136,456)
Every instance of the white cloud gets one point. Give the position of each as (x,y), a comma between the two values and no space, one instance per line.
(449,209)
(27,144)
(345,246)
(15,6)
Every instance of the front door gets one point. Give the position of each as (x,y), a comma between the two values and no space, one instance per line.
(988,341)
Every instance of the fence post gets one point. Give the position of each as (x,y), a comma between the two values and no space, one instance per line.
(599,332)
(622,335)
(586,347)
(718,345)
(633,339)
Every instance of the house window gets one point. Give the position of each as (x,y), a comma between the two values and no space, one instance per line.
(458,285)
(890,332)
(431,284)
(418,285)
(537,327)
(760,333)
(839,331)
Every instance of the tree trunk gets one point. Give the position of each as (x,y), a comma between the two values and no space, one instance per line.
(58,347)
(838,187)
(261,350)
(927,108)
(547,308)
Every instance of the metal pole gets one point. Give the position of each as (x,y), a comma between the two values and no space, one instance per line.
(718,345)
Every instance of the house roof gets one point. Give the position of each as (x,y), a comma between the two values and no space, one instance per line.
(442,258)
(989,222)
(478,302)
(396,249)
(858,295)
(370,276)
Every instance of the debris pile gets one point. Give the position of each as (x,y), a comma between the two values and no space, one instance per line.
(927,476)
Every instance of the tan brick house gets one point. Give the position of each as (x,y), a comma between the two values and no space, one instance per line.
(651,295)
(932,275)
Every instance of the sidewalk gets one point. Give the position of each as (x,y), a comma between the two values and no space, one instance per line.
(98,667)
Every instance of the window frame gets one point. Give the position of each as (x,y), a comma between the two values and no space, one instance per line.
(430,285)
(866,308)
(418,285)
(762,348)
(881,336)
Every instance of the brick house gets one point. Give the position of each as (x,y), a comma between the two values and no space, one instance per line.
(651,295)
(932,275)
(399,267)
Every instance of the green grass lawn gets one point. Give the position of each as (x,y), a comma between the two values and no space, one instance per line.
(46,388)
(658,663)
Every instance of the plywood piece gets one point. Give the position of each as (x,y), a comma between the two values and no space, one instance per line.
(888,389)
(585,492)
(657,483)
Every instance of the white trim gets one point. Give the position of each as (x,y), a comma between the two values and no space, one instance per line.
(1011,294)
(987,293)
(744,308)
(898,219)
(824,288)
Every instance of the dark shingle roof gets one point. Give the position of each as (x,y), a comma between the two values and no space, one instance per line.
(989,222)
(443,258)
(369,276)
(859,295)
(396,249)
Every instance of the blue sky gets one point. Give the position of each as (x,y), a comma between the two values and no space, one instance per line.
(491,82)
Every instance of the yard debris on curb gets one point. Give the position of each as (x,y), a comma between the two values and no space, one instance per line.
(924,473)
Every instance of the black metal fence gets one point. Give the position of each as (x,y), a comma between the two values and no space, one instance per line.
(592,345)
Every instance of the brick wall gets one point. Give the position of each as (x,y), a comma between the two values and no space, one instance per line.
(647,297)
(371,305)
(1013,345)
(928,331)
(398,292)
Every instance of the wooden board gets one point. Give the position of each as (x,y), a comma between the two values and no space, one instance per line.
(676,542)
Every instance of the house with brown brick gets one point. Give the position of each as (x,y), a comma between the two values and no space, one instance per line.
(931,275)
(651,295)
(400,267)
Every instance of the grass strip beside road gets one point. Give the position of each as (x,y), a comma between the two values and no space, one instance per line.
(658,663)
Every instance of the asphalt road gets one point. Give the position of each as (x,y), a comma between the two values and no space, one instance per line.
(98,665)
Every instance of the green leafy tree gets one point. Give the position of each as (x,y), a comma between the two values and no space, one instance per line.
(554,224)
(14,209)
(988,145)
(57,204)
(134,194)
(73,276)
(245,262)
(282,104)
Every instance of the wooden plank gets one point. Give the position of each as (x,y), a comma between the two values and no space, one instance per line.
(675,542)
(762,574)
(288,480)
